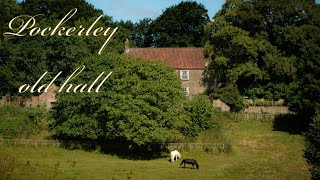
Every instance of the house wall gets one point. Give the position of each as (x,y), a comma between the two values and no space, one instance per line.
(194,83)
(47,99)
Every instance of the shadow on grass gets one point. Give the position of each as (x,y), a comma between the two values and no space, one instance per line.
(122,150)
(126,151)
(187,167)
(290,123)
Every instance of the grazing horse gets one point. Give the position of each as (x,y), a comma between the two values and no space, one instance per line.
(175,155)
(189,161)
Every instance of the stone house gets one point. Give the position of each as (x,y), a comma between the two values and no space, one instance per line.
(189,64)
(46,99)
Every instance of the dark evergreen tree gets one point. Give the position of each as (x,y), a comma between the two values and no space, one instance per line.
(181,25)
(259,46)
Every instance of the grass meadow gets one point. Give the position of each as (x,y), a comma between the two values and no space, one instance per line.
(258,152)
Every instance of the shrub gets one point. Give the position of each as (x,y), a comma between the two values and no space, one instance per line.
(17,121)
(231,96)
(312,151)
(199,110)
(141,103)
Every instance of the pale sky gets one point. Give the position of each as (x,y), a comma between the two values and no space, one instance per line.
(135,10)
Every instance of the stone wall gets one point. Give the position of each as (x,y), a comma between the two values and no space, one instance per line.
(268,109)
(47,99)
(223,107)
(4,100)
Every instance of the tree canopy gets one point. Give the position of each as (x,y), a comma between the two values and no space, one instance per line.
(24,59)
(181,25)
(312,151)
(140,103)
(262,47)
(269,49)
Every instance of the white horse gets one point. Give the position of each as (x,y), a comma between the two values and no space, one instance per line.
(175,155)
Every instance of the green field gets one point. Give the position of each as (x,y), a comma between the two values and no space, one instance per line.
(258,152)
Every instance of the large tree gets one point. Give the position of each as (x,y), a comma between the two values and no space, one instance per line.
(58,9)
(312,151)
(251,46)
(180,25)
(10,9)
(24,59)
(140,103)
(141,36)
(270,49)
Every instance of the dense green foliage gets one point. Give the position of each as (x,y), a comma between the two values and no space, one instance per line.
(305,41)
(140,103)
(231,96)
(21,122)
(24,59)
(268,49)
(141,35)
(260,49)
(263,47)
(180,25)
(200,110)
(312,151)
(144,108)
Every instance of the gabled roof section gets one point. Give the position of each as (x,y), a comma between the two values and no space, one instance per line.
(177,58)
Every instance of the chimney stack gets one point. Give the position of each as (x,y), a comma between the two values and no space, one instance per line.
(126,45)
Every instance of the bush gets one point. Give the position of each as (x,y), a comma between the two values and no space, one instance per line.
(141,103)
(17,121)
(199,110)
(312,151)
(231,96)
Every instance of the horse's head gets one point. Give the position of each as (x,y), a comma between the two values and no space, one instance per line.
(195,162)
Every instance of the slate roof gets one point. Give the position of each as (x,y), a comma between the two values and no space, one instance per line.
(178,58)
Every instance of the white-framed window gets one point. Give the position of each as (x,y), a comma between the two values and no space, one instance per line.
(185,90)
(184,74)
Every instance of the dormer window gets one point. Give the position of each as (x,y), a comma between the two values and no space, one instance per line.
(184,75)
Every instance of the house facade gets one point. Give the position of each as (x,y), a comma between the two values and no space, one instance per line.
(46,99)
(189,64)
